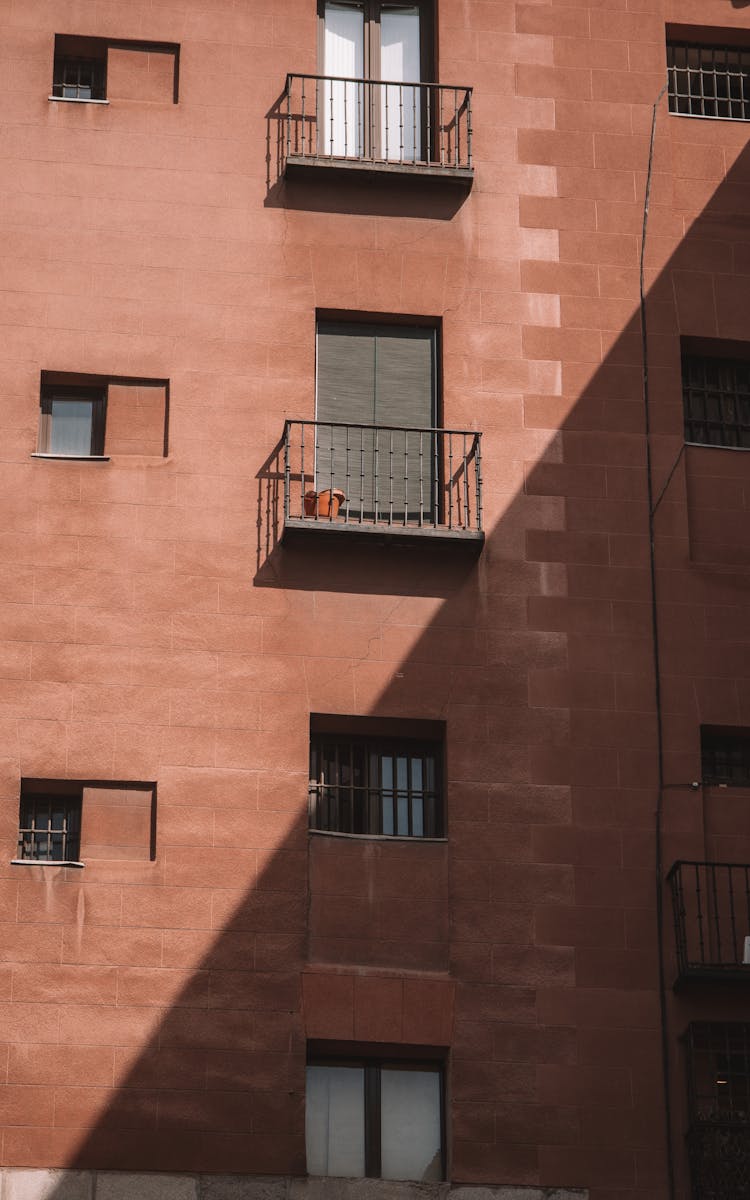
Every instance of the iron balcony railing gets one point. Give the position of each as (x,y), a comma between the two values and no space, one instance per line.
(374,122)
(383,479)
(711,905)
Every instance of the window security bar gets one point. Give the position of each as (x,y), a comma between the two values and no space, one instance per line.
(377,121)
(716,400)
(389,788)
(391,478)
(50,829)
(711,905)
(709,81)
(718,1062)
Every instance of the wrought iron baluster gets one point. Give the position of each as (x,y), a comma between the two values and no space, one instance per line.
(361,475)
(715,902)
(428,150)
(450,479)
(468,128)
(456,129)
(437,449)
(390,477)
(303,117)
(465,468)
(346,122)
(406,477)
(288,115)
(732,921)
(478,476)
(287,472)
(347,478)
(421,478)
(376,481)
(699,916)
(302,463)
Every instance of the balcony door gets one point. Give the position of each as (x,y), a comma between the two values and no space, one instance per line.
(384,46)
(383,376)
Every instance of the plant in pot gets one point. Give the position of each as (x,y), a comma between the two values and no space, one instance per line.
(325,503)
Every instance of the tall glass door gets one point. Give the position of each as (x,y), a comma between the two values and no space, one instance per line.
(343,115)
(400,63)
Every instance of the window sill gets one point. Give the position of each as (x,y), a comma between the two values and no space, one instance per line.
(73,457)
(76,100)
(708,117)
(45,862)
(377,837)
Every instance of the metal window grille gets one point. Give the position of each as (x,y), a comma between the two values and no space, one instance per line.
(50,828)
(709,81)
(725,758)
(716,400)
(719,1071)
(79,79)
(366,786)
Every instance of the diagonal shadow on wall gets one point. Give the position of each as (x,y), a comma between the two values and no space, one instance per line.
(539,658)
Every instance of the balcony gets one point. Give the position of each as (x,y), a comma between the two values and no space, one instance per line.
(711,905)
(382,481)
(417,129)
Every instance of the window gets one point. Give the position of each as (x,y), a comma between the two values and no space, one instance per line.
(50,823)
(72,421)
(97,69)
(75,410)
(80,69)
(711,80)
(376,1118)
(374,784)
(62,821)
(716,399)
(725,756)
(376,413)
(719,1059)
(364,42)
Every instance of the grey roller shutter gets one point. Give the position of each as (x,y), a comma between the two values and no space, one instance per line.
(382,376)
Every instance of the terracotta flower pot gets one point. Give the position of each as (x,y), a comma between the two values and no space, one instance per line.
(311,503)
(329,502)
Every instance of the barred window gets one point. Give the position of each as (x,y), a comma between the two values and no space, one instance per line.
(716,400)
(79,78)
(50,826)
(725,756)
(719,1071)
(709,81)
(365,785)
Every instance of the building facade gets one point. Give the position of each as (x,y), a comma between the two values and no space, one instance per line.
(375,706)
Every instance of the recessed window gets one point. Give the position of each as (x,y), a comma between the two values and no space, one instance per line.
(72,420)
(377,784)
(98,69)
(716,399)
(725,756)
(88,416)
(709,80)
(375,1118)
(50,824)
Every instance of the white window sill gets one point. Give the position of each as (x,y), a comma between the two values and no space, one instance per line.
(76,100)
(45,862)
(74,457)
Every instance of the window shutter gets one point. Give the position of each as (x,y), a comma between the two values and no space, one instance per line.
(405,398)
(346,393)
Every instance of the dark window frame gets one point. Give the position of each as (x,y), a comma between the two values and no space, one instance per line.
(357,808)
(725,756)
(95,394)
(719,1049)
(708,73)
(42,802)
(404,1059)
(716,397)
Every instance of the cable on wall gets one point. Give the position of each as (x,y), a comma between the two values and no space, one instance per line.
(664,1016)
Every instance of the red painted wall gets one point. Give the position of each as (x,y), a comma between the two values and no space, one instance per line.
(153,629)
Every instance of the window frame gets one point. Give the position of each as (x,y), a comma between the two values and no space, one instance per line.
(706,40)
(372,10)
(69,796)
(381,744)
(720,432)
(95,394)
(717,742)
(83,48)
(398,1058)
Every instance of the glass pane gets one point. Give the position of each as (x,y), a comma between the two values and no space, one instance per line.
(343,108)
(410,1125)
(401,117)
(335,1121)
(70,431)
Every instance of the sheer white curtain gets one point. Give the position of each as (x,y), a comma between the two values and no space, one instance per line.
(335,1121)
(70,429)
(410,1125)
(400,107)
(343,103)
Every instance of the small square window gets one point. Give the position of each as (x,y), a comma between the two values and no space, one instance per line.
(365,780)
(708,80)
(375,1117)
(50,824)
(716,398)
(725,756)
(72,420)
(80,69)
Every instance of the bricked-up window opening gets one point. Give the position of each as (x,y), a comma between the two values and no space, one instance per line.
(716,400)
(95,69)
(709,80)
(725,756)
(50,827)
(381,786)
(72,420)
(374,1118)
